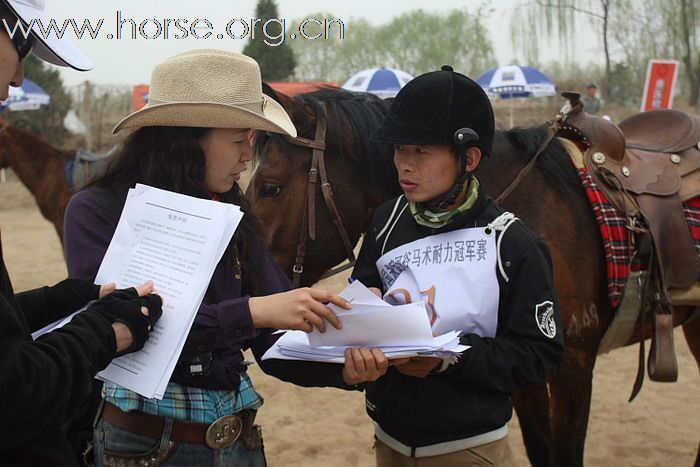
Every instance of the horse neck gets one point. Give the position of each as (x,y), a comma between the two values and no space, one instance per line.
(34,161)
(564,220)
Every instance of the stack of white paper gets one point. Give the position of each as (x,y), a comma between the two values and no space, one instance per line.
(399,331)
(176,241)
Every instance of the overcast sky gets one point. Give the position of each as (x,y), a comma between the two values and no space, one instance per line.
(127,61)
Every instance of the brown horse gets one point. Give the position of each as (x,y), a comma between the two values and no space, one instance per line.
(41,167)
(553,416)
(351,118)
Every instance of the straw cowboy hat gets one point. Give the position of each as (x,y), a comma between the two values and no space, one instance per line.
(210,89)
(62,52)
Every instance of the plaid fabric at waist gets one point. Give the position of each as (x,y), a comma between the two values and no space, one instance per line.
(188,403)
(616,237)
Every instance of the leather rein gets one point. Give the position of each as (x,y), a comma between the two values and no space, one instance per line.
(553,127)
(308,222)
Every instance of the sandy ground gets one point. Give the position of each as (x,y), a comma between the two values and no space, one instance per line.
(328,427)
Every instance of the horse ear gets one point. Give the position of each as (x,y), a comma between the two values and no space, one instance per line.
(298,113)
(281,98)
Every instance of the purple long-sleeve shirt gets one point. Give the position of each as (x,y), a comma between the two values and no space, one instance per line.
(223,325)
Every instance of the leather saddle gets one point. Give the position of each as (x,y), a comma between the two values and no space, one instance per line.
(647,166)
(84,167)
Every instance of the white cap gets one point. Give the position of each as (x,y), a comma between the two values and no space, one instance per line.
(62,52)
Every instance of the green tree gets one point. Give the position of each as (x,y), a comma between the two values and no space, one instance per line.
(47,121)
(319,53)
(563,18)
(416,42)
(683,16)
(268,44)
(662,29)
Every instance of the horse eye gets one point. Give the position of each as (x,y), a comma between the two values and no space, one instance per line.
(270,191)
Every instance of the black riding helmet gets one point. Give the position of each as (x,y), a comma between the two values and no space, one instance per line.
(432,107)
(437,108)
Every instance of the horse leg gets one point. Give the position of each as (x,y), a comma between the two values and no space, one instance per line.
(532,407)
(691,329)
(570,402)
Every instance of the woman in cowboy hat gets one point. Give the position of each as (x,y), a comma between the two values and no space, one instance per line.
(192,138)
(478,269)
(44,382)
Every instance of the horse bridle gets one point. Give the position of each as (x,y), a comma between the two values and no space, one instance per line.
(308,222)
(553,127)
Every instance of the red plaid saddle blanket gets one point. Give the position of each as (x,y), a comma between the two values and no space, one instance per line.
(616,237)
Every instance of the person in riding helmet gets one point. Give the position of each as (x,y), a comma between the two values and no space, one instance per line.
(478,269)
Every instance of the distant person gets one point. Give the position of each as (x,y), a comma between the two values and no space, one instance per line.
(45,382)
(591,102)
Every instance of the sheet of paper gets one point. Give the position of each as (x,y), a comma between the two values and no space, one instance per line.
(399,331)
(56,324)
(294,345)
(357,294)
(369,325)
(176,241)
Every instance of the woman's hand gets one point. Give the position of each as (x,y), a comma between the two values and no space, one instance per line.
(363,365)
(301,309)
(107,289)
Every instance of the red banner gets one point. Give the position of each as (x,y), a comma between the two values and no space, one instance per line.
(659,85)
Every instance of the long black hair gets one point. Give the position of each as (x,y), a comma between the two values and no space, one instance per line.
(171,158)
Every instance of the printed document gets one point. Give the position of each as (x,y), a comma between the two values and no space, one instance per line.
(399,331)
(176,241)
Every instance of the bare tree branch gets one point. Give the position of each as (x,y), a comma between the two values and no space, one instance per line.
(570,7)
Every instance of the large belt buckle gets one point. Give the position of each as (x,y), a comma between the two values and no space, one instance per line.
(224,432)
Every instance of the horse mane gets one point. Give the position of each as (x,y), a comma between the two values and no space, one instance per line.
(360,113)
(554,162)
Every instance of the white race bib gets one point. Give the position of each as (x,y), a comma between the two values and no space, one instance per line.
(453,273)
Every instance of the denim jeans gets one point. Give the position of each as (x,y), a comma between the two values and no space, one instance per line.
(114,446)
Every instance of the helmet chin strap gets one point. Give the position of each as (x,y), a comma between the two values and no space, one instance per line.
(463,138)
(450,198)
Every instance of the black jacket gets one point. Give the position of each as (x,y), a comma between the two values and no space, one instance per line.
(44,383)
(472,396)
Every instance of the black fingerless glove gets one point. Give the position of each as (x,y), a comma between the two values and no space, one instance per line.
(124,306)
(69,295)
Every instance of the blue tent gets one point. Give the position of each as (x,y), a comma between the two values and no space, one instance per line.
(384,82)
(512,81)
(29,96)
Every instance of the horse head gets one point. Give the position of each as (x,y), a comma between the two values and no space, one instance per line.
(282,183)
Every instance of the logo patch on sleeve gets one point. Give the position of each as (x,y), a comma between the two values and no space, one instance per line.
(544,317)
